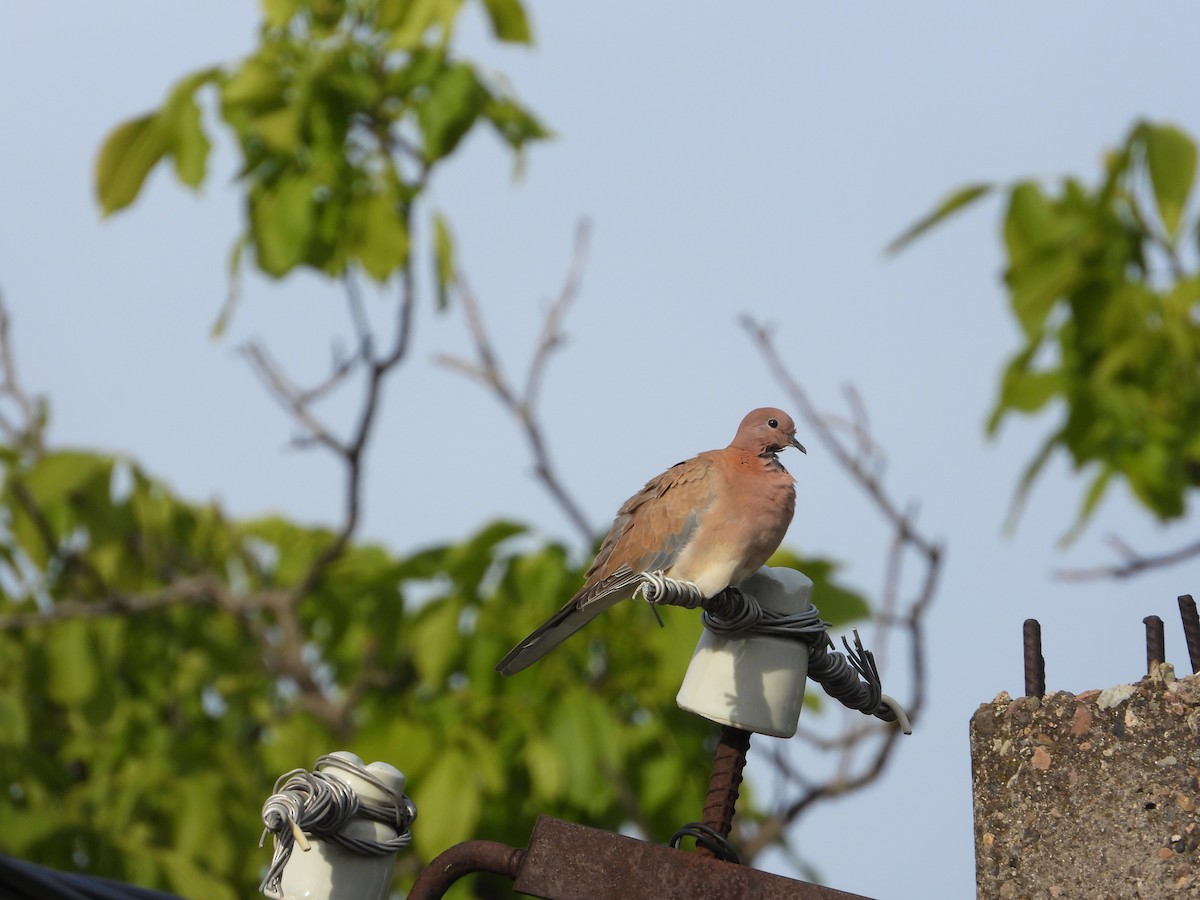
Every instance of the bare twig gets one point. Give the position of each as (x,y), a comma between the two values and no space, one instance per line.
(190,591)
(858,729)
(1134,563)
(889,598)
(72,562)
(863,460)
(348,450)
(552,336)
(27,429)
(338,372)
(358,318)
(486,370)
(351,452)
(870,455)
(292,398)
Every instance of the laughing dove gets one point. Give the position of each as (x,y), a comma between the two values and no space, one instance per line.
(712,520)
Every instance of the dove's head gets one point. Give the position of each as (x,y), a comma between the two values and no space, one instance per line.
(766,431)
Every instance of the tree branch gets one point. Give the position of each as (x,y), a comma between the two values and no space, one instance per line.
(351,452)
(289,396)
(523,407)
(188,591)
(27,429)
(1134,563)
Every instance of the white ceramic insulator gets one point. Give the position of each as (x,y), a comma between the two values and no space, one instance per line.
(751,681)
(331,872)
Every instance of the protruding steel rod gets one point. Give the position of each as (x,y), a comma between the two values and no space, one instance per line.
(1035,663)
(461,860)
(1156,642)
(728,763)
(1191,629)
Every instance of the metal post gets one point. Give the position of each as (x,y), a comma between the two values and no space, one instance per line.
(1156,643)
(1035,663)
(728,763)
(1191,629)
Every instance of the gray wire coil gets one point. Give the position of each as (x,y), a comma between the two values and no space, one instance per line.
(851,678)
(320,804)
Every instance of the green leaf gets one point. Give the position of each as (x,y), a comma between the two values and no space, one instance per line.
(294,740)
(189,143)
(383,246)
(443,259)
(516,125)
(547,769)
(129,153)
(509,22)
(279,129)
(58,476)
(1030,474)
(14,721)
(468,562)
(255,85)
(436,642)
(184,874)
(408,21)
(662,777)
(449,803)
(586,737)
(1024,390)
(1171,160)
(71,665)
(384,737)
(1095,492)
(281,222)
(1028,222)
(135,147)
(181,117)
(278,13)
(453,105)
(235,287)
(960,199)
(1038,283)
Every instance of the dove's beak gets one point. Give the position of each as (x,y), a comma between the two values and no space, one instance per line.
(795,443)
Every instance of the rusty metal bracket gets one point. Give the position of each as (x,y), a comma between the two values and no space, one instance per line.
(566,861)
(574,862)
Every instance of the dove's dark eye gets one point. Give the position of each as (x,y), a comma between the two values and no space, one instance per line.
(772,423)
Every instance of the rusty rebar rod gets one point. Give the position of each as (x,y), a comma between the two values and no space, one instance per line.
(1191,629)
(461,860)
(1035,663)
(728,763)
(1156,642)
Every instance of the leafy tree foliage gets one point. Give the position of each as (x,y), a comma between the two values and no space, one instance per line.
(341,116)
(161,664)
(148,695)
(1105,285)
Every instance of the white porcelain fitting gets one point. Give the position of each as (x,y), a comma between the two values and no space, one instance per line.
(330,872)
(753,682)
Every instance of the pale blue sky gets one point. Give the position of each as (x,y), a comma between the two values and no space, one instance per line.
(732,160)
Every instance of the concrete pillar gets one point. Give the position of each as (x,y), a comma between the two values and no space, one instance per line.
(1094,795)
